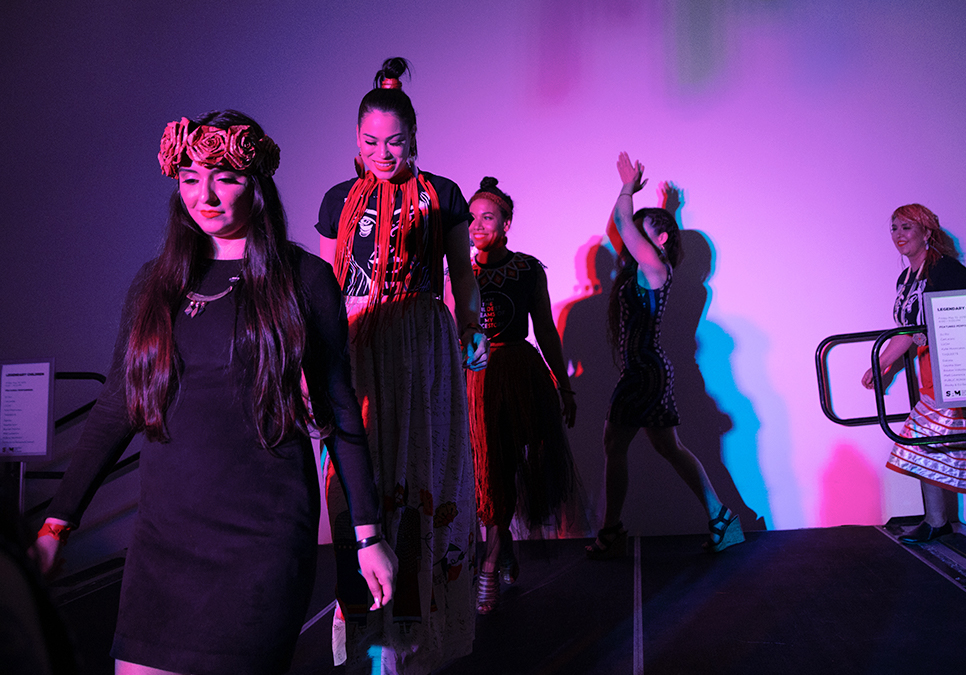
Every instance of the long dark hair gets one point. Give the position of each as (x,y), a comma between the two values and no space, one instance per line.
(663,222)
(394,101)
(269,297)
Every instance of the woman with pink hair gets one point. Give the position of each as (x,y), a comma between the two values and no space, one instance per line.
(933,266)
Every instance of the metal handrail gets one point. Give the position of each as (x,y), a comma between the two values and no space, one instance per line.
(59,423)
(77,375)
(69,417)
(881,418)
(880,401)
(824,389)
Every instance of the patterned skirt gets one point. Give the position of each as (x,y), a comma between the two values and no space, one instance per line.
(523,461)
(942,464)
(409,380)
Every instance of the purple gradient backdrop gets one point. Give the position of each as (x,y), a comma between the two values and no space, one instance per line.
(793,129)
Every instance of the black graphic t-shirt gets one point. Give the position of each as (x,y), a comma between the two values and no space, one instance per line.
(453,209)
(946,275)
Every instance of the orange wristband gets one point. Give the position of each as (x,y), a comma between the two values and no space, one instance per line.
(58,532)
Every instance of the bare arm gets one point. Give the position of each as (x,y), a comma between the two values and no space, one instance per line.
(549,341)
(893,351)
(643,250)
(327,249)
(466,295)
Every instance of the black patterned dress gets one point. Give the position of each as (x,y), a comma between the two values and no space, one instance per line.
(644,395)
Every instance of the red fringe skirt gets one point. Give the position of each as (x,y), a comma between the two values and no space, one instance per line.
(521,456)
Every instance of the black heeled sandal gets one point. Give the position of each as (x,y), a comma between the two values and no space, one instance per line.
(509,566)
(611,542)
(725,531)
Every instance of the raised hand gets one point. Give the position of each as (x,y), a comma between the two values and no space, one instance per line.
(672,197)
(631,174)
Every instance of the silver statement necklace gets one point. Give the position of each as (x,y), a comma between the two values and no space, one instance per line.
(197,301)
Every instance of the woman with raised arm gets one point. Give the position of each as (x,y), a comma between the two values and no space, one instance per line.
(523,461)
(387,233)
(933,266)
(644,396)
(216,336)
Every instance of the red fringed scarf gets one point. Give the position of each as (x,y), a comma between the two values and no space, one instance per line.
(391,282)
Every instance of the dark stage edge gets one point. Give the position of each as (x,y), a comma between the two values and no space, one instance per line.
(837,600)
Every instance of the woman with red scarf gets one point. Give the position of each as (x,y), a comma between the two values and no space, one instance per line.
(386,233)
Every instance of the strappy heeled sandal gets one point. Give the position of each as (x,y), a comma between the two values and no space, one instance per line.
(509,566)
(488,593)
(725,531)
(611,542)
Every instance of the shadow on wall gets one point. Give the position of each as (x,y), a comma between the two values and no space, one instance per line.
(851,494)
(583,326)
(658,501)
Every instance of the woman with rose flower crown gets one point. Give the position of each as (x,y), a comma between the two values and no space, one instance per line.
(216,336)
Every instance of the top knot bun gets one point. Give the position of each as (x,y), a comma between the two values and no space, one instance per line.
(392,69)
(489,190)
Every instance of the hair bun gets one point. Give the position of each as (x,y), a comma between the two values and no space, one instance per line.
(488,183)
(393,68)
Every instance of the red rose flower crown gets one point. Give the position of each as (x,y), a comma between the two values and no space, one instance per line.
(237,148)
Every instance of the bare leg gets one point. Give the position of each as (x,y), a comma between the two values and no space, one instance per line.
(934,501)
(493,547)
(617,440)
(488,595)
(665,440)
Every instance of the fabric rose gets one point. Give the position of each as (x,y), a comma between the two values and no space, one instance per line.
(270,156)
(173,143)
(207,145)
(242,147)
(237,148)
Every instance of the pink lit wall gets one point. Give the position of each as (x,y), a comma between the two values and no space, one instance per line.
(793,129)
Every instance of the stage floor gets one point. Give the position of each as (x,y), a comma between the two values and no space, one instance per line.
(837,600)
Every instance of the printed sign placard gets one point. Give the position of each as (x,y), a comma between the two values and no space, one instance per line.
(946,318)
(26,409)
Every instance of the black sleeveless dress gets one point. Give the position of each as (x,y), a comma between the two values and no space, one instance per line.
(644,395)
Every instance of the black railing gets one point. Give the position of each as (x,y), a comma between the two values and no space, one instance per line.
(77,375)
(879,338)
(59,425)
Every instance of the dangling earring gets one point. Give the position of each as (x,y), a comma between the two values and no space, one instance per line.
(927,244)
